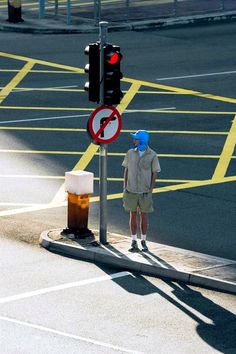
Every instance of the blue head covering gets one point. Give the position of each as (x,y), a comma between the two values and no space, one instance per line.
(143,137)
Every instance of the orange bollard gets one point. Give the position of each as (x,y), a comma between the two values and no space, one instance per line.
(78,208)
(79,185)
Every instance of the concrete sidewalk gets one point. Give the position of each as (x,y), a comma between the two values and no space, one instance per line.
(161,261)
(55,25)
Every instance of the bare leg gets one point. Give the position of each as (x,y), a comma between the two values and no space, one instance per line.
(133,222)
(143,223)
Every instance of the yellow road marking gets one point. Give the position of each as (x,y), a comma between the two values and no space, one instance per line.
(41,152)
(226,153)
(224,157)
(110,179)
(45,129)
(184,91)
(120,195)
(38,71)
(92,151)
(42,62)
(28,108)
(33,108)
(32,176)
(15,81)
(122,131)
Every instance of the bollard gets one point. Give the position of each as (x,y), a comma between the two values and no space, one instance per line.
(14,11)
(79,186)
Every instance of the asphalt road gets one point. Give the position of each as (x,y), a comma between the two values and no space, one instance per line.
(55,304)
(187,80)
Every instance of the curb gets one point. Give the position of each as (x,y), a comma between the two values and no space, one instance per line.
(131,26)
(173,274)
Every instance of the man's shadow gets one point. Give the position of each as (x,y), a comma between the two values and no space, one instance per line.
(220,335)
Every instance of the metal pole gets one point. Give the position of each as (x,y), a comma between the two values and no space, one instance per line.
(175,8)
(68,13)
(41,9)
(97,11)
(103,147)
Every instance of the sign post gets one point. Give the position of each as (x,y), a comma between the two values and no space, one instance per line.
(104,126)
(105,122)
(103,148)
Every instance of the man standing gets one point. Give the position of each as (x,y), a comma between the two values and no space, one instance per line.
(141,167)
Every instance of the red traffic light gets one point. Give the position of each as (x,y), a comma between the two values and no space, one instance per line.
(115,58)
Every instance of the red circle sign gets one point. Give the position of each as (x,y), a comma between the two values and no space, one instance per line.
(104,124)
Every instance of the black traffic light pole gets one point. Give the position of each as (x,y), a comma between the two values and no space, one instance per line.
(103,147)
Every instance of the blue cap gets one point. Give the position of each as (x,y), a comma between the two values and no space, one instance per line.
(141,135)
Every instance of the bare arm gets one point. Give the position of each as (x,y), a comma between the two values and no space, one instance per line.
(125,177)
(153,181)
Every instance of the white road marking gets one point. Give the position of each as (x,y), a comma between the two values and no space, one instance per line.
(196,75)
(28,294)
(68,335)
(46,118)
(18,90)
(70,116)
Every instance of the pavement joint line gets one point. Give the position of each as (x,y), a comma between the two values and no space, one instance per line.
(225,264)
(68,335)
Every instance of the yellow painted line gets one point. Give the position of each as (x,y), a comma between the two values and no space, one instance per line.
(192,184)
(42,62)
(86,157)
(179,112)
(32,176)
(184,91)
(35,71)
(128,110)
(110,179)
(120,195)
(92,151)
(227,153)
(29,108)
(15,81)
(62,130)
(199,132)
(129,80)
(122,131)
(50,152)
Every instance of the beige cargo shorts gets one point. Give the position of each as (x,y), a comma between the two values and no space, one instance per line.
(141,201)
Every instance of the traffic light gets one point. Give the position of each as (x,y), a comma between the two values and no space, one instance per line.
(93,69)
(112,74)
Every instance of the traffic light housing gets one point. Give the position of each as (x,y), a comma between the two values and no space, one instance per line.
(112,74)
(93,70)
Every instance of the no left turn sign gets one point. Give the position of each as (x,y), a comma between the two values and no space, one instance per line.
(104,124)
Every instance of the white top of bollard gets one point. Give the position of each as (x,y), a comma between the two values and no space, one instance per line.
(79,182)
